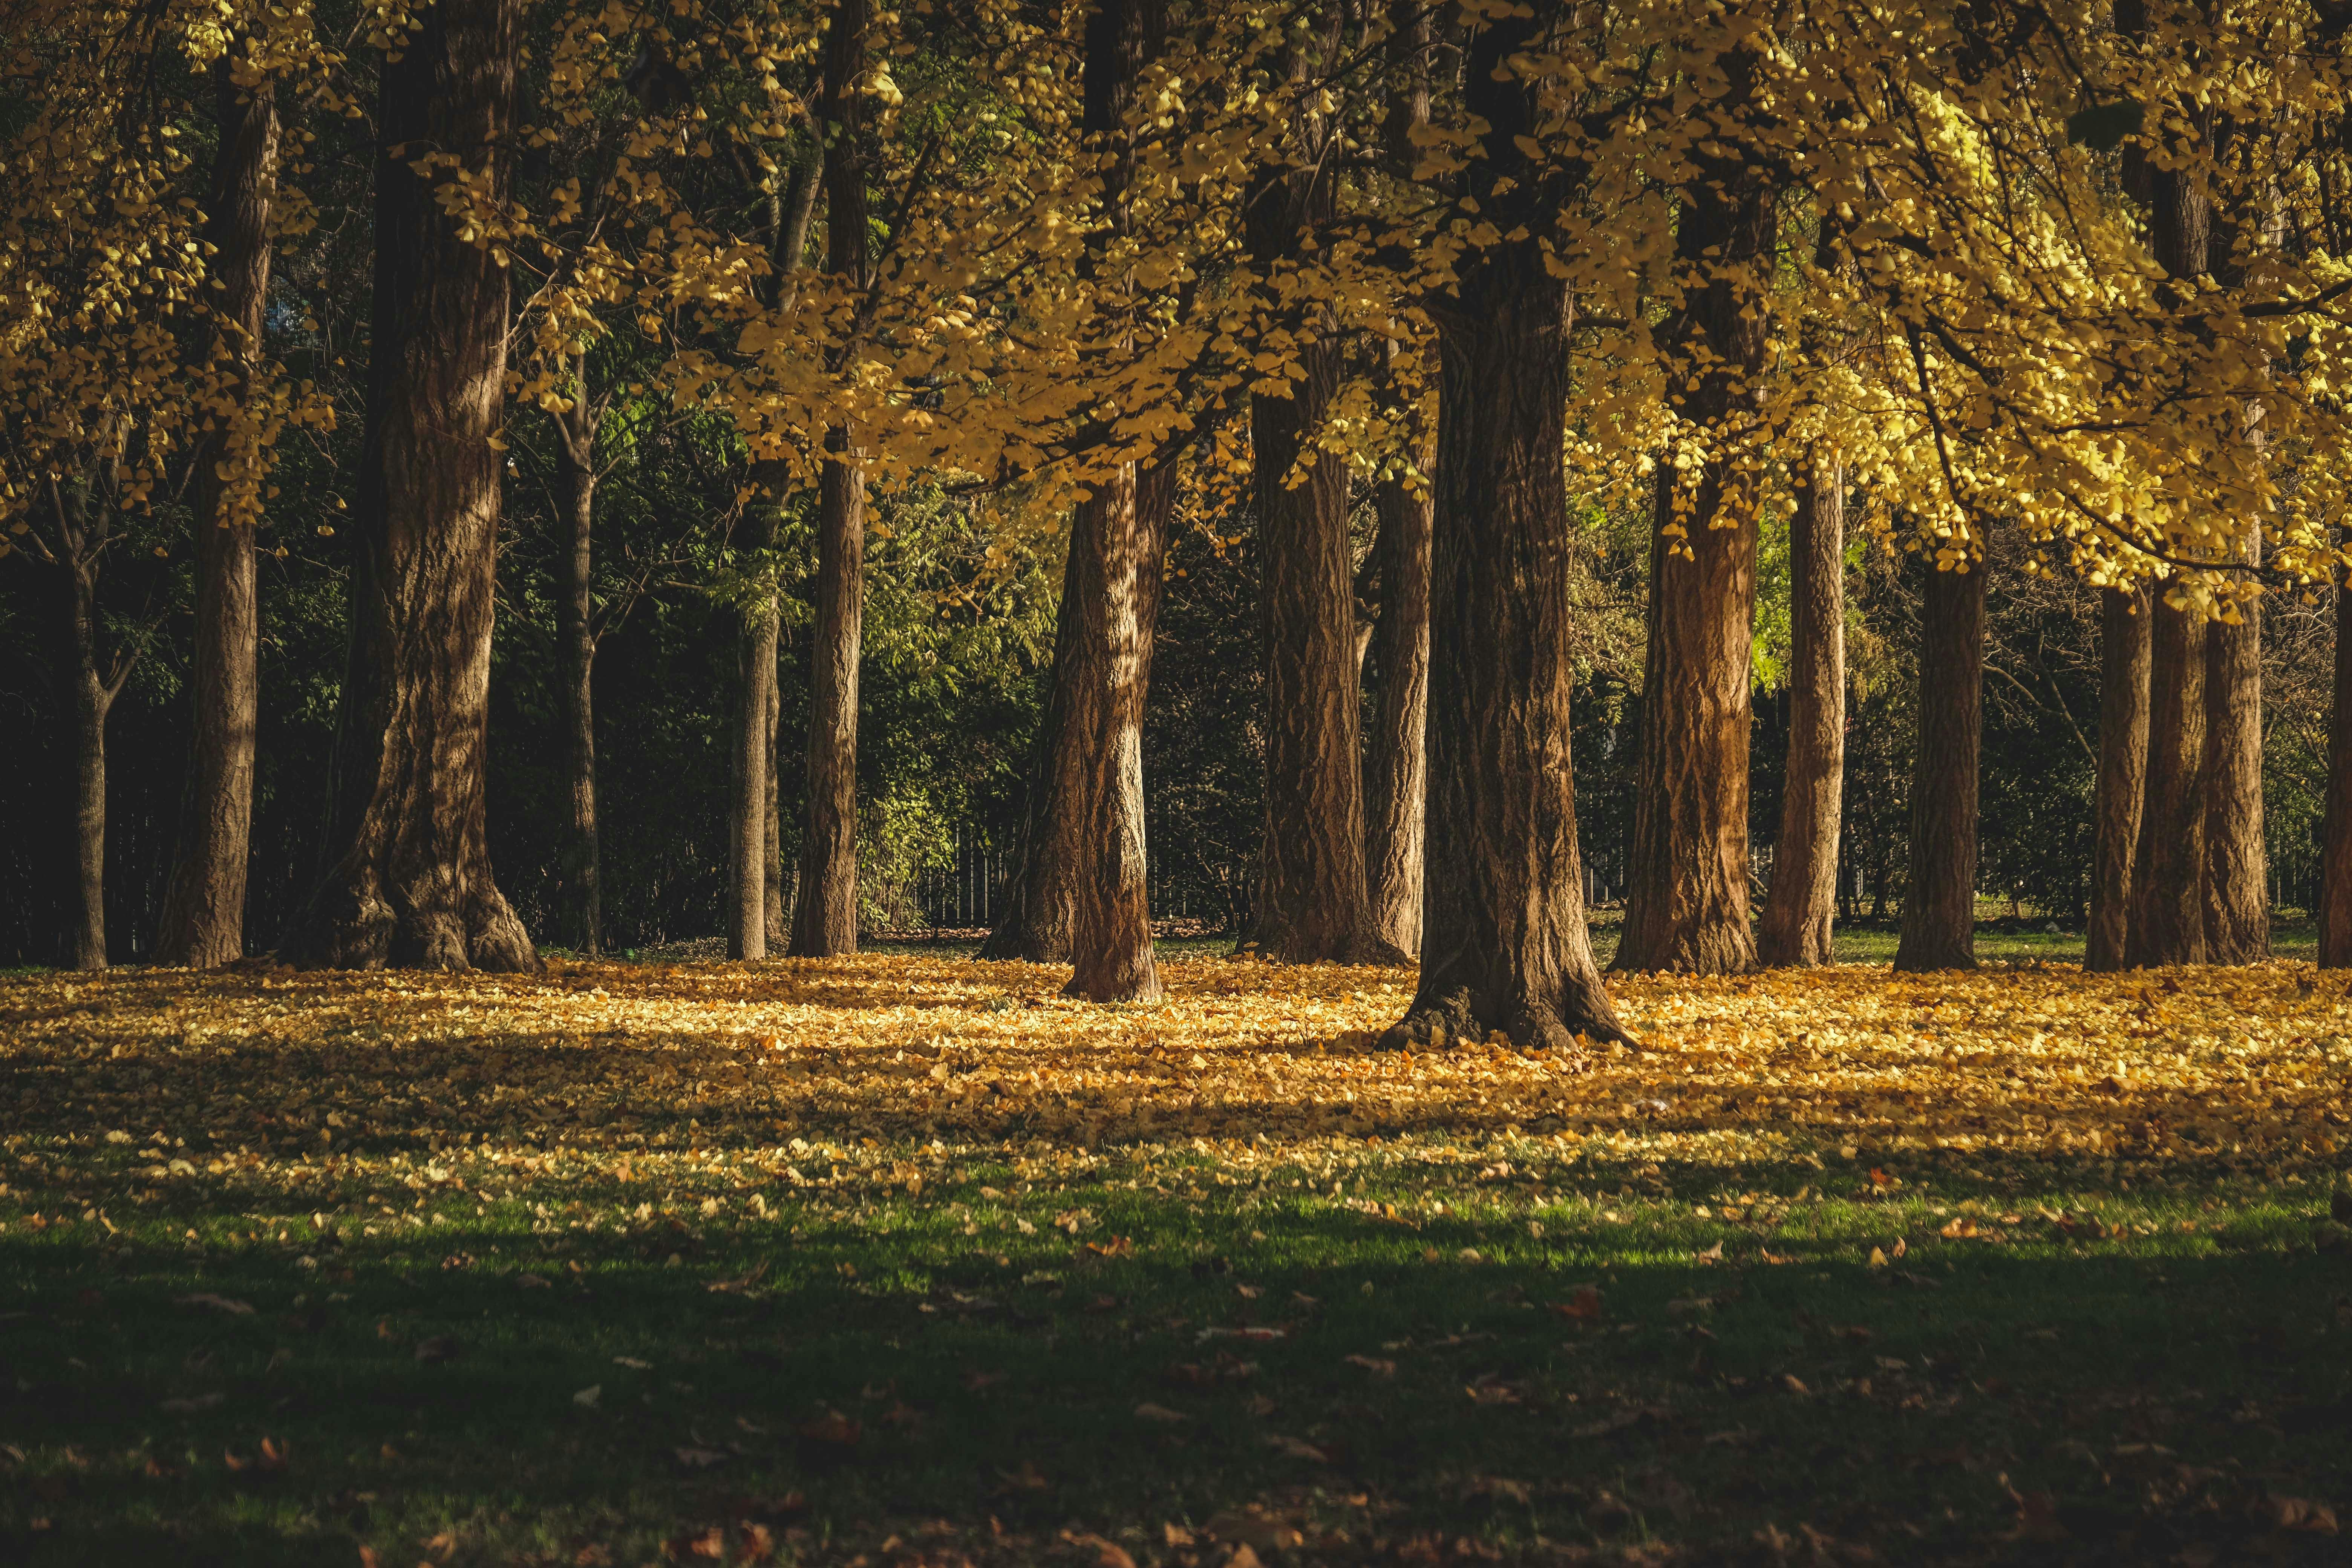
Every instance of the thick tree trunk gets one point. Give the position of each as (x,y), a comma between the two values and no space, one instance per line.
(576,637)
(825,917)
(1310,904)
(1795,930)
(2336,842)
(2237,863)
(1040,896)
(1686,898)
(2125,617)
(1503,944)
(408,869)
(2168,870)
(1396,761)
(202,922)
(1940,902)
(1111,926)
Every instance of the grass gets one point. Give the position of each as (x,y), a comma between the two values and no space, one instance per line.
(678,1264)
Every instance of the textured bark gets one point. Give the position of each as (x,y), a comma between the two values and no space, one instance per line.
(575,641)
(1687,894)
(203,921)
(1115,562)
(1110,925)
(1503,944)
(756,632)
(1798,911)
(1396,761)
(1939,902)
(2237,864)
(408,879)
(1310,904)
(81,533)
(1040,896)
(2336,841)
(2167,921)
(774,916)
(2125,617)
(824,914)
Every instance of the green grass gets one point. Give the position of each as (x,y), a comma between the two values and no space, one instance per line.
(2150,1377)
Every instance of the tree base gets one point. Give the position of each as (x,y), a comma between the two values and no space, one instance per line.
(1571,1030)
(350,923)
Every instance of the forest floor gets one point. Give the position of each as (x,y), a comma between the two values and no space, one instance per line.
(904,1259)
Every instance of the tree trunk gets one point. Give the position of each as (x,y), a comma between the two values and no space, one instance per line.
(2124,619)
(1686,898)
(1040,895)
(2336,843)
(1396,764)
(756,630)
(1310,905)
(2168,870)
(1802,902)
(2237,864)
(91,702)
(774,914)
(824,916)
(203,921)
(408,878)
(1503,944)
(576,637)
(1940,902)
(1111,926)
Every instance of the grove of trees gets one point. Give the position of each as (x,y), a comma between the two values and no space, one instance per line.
(500,472)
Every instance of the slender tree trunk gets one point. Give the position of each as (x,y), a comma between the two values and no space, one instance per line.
(1940,902)
(408,877)
(202,923)
(1396,762)
(2124,619)
(2169,869)
(1686,901)
(774,909)
(747,858)
(2237,864)
(1802,902)
(2336,842)
(824,918)
(1503,944)
(575,637)
(91,702)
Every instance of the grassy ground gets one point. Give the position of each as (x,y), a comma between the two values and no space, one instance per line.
(904,1260)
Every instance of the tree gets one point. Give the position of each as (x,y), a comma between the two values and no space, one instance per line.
(2125,615)
(1802,902)
(1396,770)
(1687,902)
(1503,944)
(1115,543)
(2237,882)
(575,635)
(824,918)
(2336,851)
(1939,902)
(406,878)
(1310,904)
(202,922)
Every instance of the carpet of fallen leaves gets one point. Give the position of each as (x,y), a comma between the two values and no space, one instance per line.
(844,1105)
(2183,1065)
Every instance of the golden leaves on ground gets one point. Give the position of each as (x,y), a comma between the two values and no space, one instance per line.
(186,1077)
